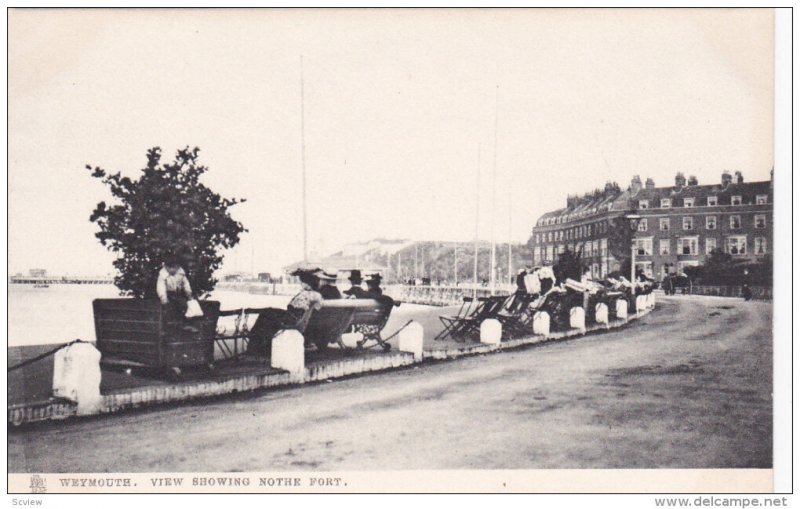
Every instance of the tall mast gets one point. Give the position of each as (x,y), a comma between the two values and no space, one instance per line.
(303,159)
(477,216)
(510,268)
(494,186)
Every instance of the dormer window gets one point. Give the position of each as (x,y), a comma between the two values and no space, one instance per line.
(642,204)
(736,200)
(688,202)
(711,201)
(666,203)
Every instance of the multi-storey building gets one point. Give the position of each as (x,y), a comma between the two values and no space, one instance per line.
(682,224)
(675,227)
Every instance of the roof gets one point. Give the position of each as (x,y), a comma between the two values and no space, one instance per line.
(745,190)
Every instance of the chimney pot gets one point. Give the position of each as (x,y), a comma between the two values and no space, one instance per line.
(692,180)
(649,184)
(680,180)
(726,178)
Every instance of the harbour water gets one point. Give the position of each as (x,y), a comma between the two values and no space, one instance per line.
(61,313)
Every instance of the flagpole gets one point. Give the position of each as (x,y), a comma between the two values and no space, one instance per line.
(303,159)
(494,186)
(477,216)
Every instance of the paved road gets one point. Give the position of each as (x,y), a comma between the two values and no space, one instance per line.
(689,386)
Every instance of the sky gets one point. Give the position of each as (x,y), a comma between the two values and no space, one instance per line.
(411,116)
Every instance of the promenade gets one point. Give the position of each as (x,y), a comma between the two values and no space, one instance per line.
(654,394)
(29,388)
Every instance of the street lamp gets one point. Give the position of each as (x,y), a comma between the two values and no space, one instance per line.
(634,221)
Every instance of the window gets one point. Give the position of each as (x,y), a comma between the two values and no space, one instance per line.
(537,257)
(587,248)
(645,268)
(561,249)
(760,221)
(642,204)
(736,200)
(571,247)
(711,201)
(663,224)
(642,225)
(711,222)
(688,224)
(688,202)
(737,245)
(687,246)
(711,244)
(549,253)
(663,247)
(549,236)
(688,263)
(761,199)
(760,246)
(644,247)
(537,238)
(604,247)
(665,203)
(736,222)
(596,248)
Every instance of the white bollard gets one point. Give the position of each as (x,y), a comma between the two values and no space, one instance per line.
(289,354)
(541,323)
(351,339)
(411,340)
(491,332)
(622,309)
(577,318)
(601,313)
(641,301)
(76,376)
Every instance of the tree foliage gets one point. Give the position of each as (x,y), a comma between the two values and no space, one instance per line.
(166,213)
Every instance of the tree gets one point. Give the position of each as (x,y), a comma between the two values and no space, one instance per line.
(166,213)
(569,265)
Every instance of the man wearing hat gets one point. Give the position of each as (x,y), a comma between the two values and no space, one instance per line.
(374,286)
(328,288)
(355,291)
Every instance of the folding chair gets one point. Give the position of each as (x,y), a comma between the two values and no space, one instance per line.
(450,321)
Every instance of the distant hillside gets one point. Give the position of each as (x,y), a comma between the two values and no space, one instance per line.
(402,259)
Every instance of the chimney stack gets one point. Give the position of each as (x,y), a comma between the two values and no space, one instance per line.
(692,180)
(739,177)
(636,184)
(649,183)
(726,178)
(680,180)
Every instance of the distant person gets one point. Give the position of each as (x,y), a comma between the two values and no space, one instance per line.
(328,288)
(747,293)
(355,291)
(174,291)
(520,282)
(295,316)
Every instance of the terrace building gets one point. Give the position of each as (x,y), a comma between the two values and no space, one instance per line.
(679,226)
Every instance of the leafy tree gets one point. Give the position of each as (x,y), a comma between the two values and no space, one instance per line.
(166,213)
(569,265)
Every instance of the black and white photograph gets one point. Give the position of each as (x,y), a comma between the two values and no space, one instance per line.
(391,250)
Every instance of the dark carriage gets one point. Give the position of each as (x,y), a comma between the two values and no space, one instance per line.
(137,332)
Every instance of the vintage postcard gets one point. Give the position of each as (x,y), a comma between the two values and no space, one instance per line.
(394,250)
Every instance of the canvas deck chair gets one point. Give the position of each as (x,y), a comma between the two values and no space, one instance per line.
(471,325)
(449,321)
(517,319)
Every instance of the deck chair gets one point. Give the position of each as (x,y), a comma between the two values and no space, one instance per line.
(517,319)
(450,321)
(471,325)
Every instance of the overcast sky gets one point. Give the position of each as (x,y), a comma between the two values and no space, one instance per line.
(397,104)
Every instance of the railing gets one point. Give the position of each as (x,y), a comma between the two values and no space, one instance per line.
(758,292)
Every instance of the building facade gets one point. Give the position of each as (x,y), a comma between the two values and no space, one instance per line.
(670,228)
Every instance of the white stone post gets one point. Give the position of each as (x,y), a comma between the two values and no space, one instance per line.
(289,354)
(577,318)
(601,313)
(541,323)
(491,332)
(77,375)
(622,309)
(411,340)
(640,303)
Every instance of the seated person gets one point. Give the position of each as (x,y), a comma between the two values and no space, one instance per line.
(374,286)
(355,291)
(174,292)
(327,287)
(295,316)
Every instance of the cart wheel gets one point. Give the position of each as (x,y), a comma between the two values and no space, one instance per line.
(386,347)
